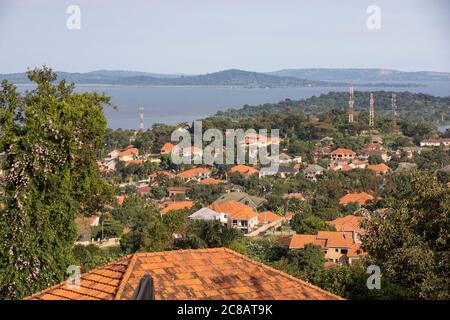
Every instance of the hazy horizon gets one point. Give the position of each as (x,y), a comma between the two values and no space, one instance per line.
(198,37)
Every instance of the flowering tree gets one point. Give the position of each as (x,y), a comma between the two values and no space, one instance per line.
(48,136)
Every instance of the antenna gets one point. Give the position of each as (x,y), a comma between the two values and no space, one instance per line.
(394,110)
(141,119)
(371,112)
(351,102)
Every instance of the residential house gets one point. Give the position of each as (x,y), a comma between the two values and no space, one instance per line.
(242,197)
(349,223)
(239,215)
(361,198)
(195,174)
(129,154)
(312,171)
(191,152)
(143,190)
(175,206)
(167,148)
(209,214)
(283,171)
(379,168)
(338,246)
(266,217)
(177,191)
(341,154)
(410,151)
(209,181)
(244,170)
(209,274)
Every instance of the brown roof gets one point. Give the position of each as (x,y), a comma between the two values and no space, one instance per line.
(129,152)
(201,274)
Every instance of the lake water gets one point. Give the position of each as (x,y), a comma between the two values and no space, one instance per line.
(173,105)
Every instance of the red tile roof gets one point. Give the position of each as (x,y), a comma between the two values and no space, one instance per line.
(129,152)
(201,274)
(324,239)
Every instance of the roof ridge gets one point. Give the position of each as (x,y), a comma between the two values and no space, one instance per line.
(283,274)
(126,276)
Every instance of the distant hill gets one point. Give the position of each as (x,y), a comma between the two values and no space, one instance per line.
(233,77)
(415,106)
(362,75)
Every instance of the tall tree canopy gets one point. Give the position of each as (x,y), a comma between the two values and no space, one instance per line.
(49,136)
(412,245)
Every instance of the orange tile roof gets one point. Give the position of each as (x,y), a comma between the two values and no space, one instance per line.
(167,148)
(268,217)
(299,241)
(356,251)
(244,170)
(234,210)
(379,167)
(360,198)
(137,162)
(324,239)
(193,173)
(343,151)
(336,239)
(201,274)
(348,223)
(179,205)
(212,181)
(129,152)
(163,173)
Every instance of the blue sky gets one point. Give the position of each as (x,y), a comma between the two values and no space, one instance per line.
(199,36)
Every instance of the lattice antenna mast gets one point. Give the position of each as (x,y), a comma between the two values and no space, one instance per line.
(394,110)
(141,119)
(351,102)
(371,111)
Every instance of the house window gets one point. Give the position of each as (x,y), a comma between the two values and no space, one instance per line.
(337,250)
(244,223)
(235,222)
(344,251)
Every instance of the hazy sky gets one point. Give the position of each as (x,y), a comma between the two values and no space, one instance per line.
(199,36)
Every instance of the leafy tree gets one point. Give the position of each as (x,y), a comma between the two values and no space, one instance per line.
(148,232)
(376,159)
(309,224)
(49,135)
(308,260)
(208,234)
(411,245)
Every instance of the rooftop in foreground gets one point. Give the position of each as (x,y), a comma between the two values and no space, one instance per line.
(202,274)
